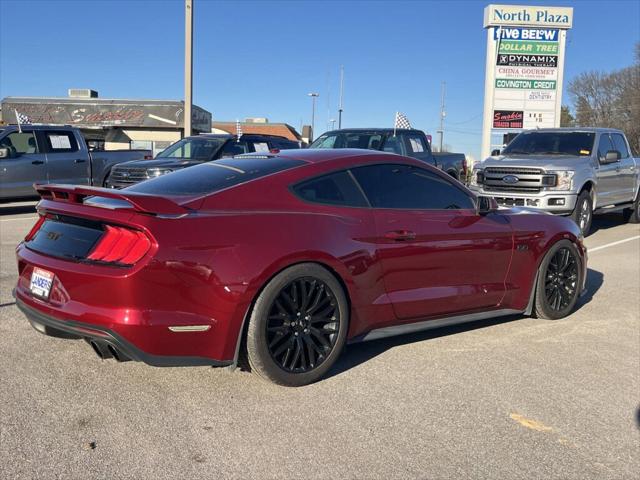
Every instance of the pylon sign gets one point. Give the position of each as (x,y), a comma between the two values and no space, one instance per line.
(524,69)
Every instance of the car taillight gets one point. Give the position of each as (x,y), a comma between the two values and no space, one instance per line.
(34,229)
(120,245)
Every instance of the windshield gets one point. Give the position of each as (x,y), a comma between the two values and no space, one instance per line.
(369,141)
(194,148)
(551,143)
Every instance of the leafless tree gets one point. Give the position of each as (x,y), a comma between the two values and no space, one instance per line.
(611,100)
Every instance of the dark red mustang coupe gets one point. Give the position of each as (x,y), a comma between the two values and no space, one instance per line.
(283,258)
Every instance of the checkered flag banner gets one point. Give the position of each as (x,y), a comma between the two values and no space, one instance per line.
(401,121)
(238,130)
(22,118)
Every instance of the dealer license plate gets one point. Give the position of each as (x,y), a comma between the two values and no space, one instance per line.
(41,281)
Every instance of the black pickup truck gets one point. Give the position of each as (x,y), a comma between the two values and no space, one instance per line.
(406,142)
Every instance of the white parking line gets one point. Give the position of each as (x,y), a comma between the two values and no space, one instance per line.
(613,244)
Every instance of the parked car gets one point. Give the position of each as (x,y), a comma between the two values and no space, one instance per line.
(52,154)
(283,258)
(577,172)
(406,142)
(195,150)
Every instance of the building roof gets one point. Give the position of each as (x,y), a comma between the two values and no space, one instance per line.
(105,112)
(280,129)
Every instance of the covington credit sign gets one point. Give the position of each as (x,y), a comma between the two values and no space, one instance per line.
(524,69)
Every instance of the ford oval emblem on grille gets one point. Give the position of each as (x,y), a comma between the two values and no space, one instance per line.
(510,179)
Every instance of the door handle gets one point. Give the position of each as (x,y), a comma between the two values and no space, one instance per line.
(79,160)
(400,235)
(37,162)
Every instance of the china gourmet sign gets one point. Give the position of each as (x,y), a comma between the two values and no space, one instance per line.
(524,70)
(507,119)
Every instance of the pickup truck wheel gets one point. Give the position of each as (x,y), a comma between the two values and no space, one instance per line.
(632,215)
(559,280)
(583,212)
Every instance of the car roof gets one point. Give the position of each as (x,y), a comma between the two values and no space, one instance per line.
(246,135)
(318,155)
(575,129)
(371,130)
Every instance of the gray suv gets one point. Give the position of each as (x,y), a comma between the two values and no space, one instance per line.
(577,172)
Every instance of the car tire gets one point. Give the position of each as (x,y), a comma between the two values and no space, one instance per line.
(298,326)
(583,212)
(632,215)
(558,281)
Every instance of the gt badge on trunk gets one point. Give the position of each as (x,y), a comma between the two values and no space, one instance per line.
(41,281)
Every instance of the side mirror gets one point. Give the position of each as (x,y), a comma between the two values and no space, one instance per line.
(495,153)
(612,156)
(486,205)
(5,153)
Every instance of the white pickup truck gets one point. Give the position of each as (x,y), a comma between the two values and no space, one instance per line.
(567,171)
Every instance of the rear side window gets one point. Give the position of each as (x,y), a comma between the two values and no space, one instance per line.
(334,189)
(211,177)
(61,142)
(408,187)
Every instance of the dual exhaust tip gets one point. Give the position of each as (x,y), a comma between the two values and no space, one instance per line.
(105,351)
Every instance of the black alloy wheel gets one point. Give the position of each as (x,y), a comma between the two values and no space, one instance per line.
(559,281)
(297,326)
(303,324)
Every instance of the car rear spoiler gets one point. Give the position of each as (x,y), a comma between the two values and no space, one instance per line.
(140,202)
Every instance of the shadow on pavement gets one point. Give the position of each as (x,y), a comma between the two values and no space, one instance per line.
(358,353)
(606,221)
(12,209)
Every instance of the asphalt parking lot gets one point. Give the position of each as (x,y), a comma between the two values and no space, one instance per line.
(515,398)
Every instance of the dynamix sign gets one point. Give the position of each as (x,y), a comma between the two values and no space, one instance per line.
(524,69)
(561,17)
(514,60)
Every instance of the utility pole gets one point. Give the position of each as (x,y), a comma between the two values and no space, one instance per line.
(188,65)
(313,114)
(341,91)
(442,115)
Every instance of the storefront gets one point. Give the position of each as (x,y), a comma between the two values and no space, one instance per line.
(111,124)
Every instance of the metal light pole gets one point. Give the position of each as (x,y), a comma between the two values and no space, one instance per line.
(341,91)
(332,123)
(442,115)
(313,114)
(188,65)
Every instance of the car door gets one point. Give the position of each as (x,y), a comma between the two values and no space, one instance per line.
(25,165)
(416,146)
(608,174)
(626,169)
(439,257)
(67,160)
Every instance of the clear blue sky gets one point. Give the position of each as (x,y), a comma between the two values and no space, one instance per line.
(261,58)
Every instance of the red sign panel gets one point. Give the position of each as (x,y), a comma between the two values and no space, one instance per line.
(507,118)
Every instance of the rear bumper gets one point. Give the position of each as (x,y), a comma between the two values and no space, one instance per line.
(54,327)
